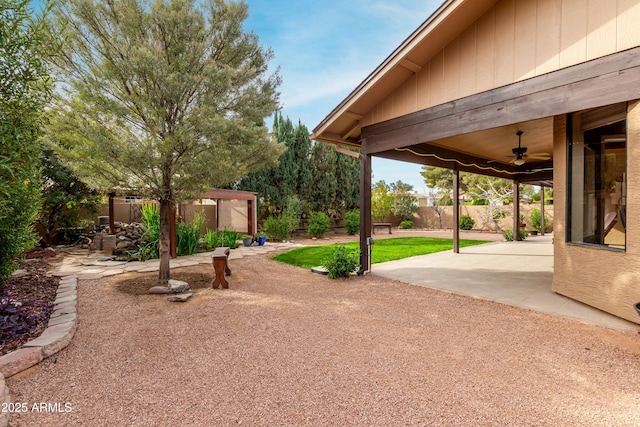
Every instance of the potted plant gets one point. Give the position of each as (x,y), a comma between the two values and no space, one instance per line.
(261,238)
(247,240)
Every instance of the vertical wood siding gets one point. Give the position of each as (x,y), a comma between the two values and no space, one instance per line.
(513,41)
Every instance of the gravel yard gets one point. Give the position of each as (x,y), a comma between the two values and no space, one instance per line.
(284,346)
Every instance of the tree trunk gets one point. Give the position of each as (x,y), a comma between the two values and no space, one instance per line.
(166,207)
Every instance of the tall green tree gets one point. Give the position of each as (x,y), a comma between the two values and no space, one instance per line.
(63,196)
(25,88)
(164,97)
(347,184)
(323,177)
(404,204)
(290,176)
(381,201)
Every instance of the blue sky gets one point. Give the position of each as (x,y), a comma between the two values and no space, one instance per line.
(325,48)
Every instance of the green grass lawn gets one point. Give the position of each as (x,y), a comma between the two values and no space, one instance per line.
(383,250)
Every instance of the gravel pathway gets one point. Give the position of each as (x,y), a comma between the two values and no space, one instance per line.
(286,347)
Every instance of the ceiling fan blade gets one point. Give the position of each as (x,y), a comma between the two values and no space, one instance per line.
(540,156)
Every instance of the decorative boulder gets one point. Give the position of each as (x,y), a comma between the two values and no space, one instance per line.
(178,286)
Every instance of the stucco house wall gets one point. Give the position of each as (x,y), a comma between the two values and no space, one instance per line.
(603,278)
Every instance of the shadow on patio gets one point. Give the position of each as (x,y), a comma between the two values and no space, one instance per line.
(514,273)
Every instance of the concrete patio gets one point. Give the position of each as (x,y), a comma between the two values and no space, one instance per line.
(514,273)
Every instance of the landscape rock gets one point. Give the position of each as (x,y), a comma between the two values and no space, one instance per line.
(178,286)
(19,273)
(159,290)
(180,297)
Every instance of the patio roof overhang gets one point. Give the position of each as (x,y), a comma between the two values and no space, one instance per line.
(475,133)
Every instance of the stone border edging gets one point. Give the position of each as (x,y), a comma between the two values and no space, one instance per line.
(58,334)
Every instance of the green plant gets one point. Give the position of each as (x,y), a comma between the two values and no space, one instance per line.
(212,239)
(277,228)
(151,219)
(230,238)
(318,224)
(342,263)
(536,222)
(508,234)
(188,235)
(466,222)
(405,225)
(352,221)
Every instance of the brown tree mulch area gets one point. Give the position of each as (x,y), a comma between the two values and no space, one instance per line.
(140,283)
(35,290)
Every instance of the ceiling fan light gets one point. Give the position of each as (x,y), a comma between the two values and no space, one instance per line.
(518,162)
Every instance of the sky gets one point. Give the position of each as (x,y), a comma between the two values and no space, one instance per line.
(325,48)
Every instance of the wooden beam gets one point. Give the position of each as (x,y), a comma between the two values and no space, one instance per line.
(603,81)
(352,115)
(354,130)
(333,138)
(347,152)
(410,65)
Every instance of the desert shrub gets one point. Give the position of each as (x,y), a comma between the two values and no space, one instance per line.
(352,222)
(318,224)
(342,263)
(277,228)
(406,225)
(466,222)
(508,234)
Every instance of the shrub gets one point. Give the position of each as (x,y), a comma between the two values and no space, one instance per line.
(406,225)
(151,220)
(215,239)
(318,224)
(352,222)
(536,222)
(277,228)
(17,320)
(188,235)
(466,222)
(343,262)
(508,234)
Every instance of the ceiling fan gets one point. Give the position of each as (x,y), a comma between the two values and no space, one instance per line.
(520,153)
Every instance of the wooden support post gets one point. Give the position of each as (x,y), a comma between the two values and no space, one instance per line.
(542,224)
(250,216)
(365,209)
(112,214)
(456,210)
(516,211)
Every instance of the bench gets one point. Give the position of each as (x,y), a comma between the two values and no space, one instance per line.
(220,258)
(381,224)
